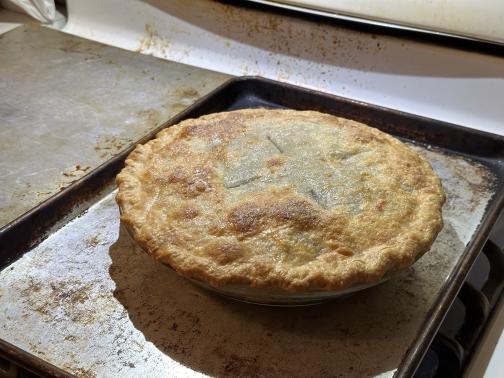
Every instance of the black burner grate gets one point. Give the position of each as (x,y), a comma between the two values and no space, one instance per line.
(462,328)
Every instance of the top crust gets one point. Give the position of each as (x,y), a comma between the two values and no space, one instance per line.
(295,200)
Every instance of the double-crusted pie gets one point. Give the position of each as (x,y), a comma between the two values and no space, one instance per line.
(283,199)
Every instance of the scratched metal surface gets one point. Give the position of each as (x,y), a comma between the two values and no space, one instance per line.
(69,104)
(97,306)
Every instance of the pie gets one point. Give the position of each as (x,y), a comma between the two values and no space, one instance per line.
(284,199)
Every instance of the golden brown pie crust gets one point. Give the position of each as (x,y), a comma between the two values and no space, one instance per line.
(296,200)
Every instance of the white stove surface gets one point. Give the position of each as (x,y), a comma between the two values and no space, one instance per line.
(439,82)
(480,19)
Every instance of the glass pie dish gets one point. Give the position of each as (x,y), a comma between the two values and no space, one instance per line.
(277,297)
(273,296)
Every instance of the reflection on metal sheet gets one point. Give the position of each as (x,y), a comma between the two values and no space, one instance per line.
(98,306)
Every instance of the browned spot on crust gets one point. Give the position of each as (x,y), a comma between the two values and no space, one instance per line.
(217,229)
(418,179)
(275,161)
(366,137)
(381,205)
(344,251)
(212,129)
(219,153)
(224,252)
(186,212)
(177,175)
(297,211)
(246,218)
(178,148)
(189,182)
(249,218)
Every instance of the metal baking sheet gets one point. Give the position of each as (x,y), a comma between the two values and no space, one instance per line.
(96,306)
(82,103)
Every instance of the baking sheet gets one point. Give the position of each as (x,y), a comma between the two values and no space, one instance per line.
(70,104)
(96,306)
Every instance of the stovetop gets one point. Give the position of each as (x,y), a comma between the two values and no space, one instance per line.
(463,330)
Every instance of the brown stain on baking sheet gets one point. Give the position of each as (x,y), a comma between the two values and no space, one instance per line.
(83,373)
(93,241)
(77,170)
(72,46)
(181,98)
(47,298)
(108,146)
